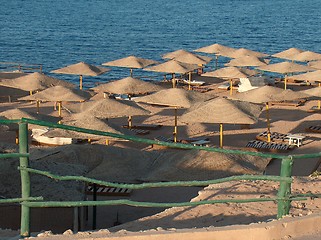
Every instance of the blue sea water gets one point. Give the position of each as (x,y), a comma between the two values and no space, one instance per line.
(58,33)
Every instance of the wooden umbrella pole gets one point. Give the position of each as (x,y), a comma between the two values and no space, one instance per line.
(285,79)
(130,122)
(268,122)
(59,108)
(131,72)
(189,80)
(216,60)
(221,135)
(175,125)
(319,104)
(231,87)
(80,82)
(173,80)
(38,103)
(30,92)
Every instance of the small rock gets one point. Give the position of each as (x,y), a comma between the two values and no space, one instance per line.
(159,229)
(68,232)
(45,234)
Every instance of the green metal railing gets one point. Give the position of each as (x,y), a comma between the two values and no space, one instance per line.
(283,197)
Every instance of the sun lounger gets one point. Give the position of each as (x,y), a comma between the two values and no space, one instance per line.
(139,131)
(194,139)
(38,139)
(294,103)
(313,129)
(145,126)
(201,143)
(314,109)
(265,146)
(108,191)
(275,137)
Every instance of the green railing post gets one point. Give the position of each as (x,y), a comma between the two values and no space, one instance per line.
(285,187)
(25,179)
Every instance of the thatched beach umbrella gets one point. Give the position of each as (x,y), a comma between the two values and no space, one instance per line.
(35,82)
(266,94)
(109,108)
(175,98)
(59,94)
(81,69)
(173,67)
(89,122)
(18,113)
(314,92)
(221,110)
(242,52)
(129,86)
(288,54)
(188,57)
(218,50)
(131,62)
(246,61)
(231,73)
(315,64)
(285,68)
(313,77)
(307,56)
(9,92)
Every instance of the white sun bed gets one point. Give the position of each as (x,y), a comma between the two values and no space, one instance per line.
(38,138)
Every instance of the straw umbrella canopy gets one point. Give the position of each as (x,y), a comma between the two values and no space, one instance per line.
(241,52)
(89,122)
(81,69)
(221,110)
(34,81)
(109,108)
(188,57)
(285,68)
(246,61)
(314,76)
(18,113)
(218,50)
(288,54)
(59,94)
(231,73)
(314,92)
(131,62)
(315,64)
(307,56)
(173,66)
(175,98)
(129,86)
(266,94)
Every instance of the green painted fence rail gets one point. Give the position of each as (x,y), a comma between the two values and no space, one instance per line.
(161,184)
(283,198)
(150,204)
(18,200)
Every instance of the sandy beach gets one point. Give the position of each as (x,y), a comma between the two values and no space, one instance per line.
(129,162)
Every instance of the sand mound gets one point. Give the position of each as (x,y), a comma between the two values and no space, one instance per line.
(120,165)
(230,213)
(201,165)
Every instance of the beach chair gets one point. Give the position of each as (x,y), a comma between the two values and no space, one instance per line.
(145,126)
(269,146)
(108,191)
(313,129)
(275,137)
